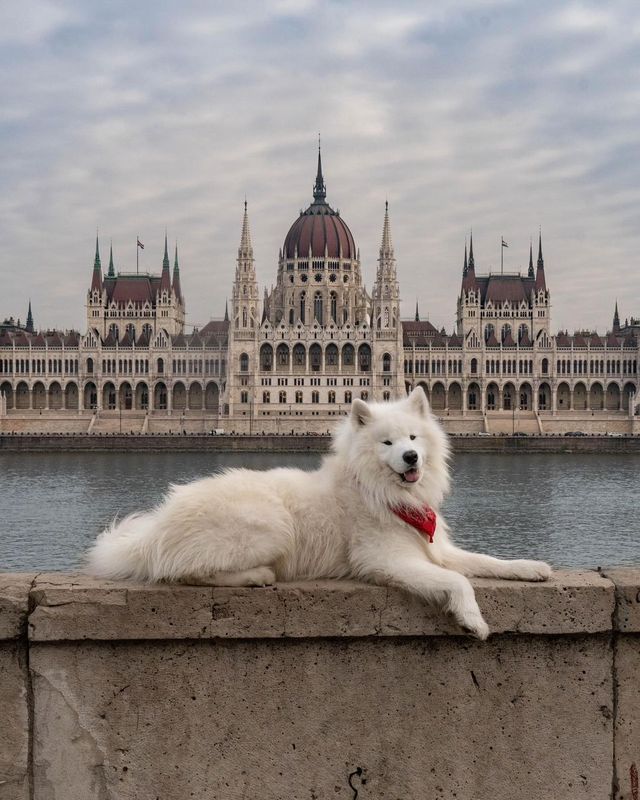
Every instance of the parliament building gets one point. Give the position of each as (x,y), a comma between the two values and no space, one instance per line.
(293,358)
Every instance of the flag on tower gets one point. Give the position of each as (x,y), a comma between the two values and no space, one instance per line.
(140,244)
(504,244)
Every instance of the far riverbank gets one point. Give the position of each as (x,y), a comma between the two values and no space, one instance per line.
(303,443)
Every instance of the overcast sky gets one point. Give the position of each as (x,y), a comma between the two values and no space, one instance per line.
(498,116)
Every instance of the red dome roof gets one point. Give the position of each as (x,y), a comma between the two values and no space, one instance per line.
(321,228)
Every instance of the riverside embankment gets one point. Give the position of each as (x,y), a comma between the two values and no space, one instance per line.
(317,690)
(304,443)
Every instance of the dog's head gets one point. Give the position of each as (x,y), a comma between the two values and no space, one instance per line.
(397,450)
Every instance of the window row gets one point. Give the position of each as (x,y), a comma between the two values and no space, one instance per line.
(39,366)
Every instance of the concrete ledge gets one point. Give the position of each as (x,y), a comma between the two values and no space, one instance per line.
(14,602)
(114,690)
(77,608)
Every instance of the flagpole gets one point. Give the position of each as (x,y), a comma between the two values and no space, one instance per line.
(137,255)
(502,255)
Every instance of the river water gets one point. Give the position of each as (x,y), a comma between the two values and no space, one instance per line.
(571,510)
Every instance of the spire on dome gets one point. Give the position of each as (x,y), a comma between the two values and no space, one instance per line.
(417,319)
(531,273)
(165,279)
(176,277)
(319,189)
(29,325)
(616,319)
(96,278)
(111,273)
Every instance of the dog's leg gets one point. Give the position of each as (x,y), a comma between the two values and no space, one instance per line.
(258,576)
(483,566)
(433,584)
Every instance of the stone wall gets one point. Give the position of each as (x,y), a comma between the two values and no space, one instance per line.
(303,691)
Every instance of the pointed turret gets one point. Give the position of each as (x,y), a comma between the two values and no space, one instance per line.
(226,311)
(176,277)
(616,320)
(319,188)
(465,266)
(469,270)
(531,272)
(541,282)
(111,273)
(245,251)
(386,247)
(472,264)
(96,278)
(417,318)
(165,280)
(29,326)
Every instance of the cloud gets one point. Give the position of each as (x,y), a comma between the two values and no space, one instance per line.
(503,116)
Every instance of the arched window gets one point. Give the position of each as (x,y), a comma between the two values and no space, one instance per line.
(89,366)
(147,330)
(347,397)
(474,366)
(131,330)
(298,355)
(489,330)
(244,318)
(364,358)
(386,363)
(315,357)
(331,356)
(332,397)
(348,355)
(244,362)
(266,397)
(291,318)
(505,332)
(114,331)
(545,366)
(266,358)
(386,316)
(334,306)
(160,366)
(317,307)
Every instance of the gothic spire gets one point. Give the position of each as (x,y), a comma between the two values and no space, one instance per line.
(616,320)
(165,279)
(417,319)
(29,325)
(386,247)
(176,276)
(246,248)
(96,278)
(319,189)
(541,283)
(465,266)
(226,311)
(111,273)
(531,273)
(472,263)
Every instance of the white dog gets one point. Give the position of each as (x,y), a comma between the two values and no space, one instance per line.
(369,512)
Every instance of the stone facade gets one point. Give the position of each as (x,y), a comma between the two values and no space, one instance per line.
(294,357)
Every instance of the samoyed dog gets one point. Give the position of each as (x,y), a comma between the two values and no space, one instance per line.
(370,512)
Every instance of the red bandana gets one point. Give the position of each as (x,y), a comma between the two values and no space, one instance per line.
(422,519)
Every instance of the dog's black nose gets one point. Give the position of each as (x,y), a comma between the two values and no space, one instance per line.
(410,456)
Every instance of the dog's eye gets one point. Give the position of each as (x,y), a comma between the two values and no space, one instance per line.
(387,442)
(412,437)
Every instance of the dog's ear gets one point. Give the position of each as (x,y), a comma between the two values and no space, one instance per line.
(360,413)
(418,401)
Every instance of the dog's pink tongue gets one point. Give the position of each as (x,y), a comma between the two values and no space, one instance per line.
(411,475)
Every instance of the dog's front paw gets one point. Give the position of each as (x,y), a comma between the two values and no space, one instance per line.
(533,571)
(474,625)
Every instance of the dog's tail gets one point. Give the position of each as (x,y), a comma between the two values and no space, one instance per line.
(123,550)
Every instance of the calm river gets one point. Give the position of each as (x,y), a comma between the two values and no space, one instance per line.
(571,510)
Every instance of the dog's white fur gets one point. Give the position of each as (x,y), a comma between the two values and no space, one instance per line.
(248,528)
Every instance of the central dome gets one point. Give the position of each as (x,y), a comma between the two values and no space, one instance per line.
(319,231)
